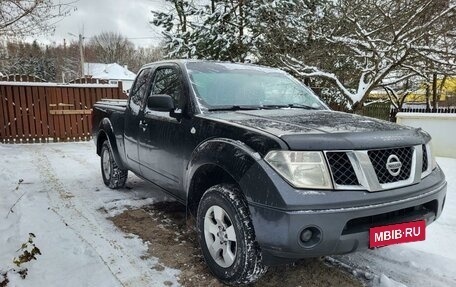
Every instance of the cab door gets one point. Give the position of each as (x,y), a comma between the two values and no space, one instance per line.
(133,112)
(163,135)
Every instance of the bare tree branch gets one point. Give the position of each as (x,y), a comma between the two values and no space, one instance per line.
(27,17)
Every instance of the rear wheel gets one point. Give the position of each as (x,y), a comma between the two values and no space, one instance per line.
(227,236)
(113,176)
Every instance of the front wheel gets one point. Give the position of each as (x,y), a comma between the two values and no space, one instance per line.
(113,176)
(227,237)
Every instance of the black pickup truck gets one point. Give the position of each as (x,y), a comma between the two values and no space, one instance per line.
(270,173)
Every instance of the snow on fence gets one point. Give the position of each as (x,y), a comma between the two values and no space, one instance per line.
(442,128)
(21,78)
(439,110)
(42,112)
(384,111)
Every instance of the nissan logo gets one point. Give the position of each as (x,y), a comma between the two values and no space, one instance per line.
(393,165)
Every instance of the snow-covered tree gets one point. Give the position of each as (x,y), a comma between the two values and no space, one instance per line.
(287,28)
(379,37)
(355,45)
(29,59)
(215,29)
(176,27)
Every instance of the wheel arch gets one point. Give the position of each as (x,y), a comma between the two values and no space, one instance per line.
(204,177)
(106,132)
(214,162)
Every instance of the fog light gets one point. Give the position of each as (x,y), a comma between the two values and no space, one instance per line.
(306,235)
(310,236)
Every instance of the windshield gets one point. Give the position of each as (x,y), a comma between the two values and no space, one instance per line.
(226,85)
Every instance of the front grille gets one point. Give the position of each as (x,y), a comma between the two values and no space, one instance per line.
(425,159)
(379,161)
(341,168)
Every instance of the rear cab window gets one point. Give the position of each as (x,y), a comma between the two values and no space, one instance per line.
(139,91)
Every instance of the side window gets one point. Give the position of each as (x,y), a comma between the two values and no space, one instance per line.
(138,91)
(167,81)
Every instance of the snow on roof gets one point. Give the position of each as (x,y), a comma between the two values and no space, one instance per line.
(111,71)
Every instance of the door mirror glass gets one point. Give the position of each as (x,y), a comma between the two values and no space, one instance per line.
(161,103)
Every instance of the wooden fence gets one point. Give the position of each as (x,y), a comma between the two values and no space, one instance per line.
(378,110)
(42,112)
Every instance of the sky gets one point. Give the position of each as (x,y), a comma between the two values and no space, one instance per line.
(129,17)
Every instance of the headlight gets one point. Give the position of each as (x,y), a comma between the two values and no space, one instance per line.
(302,169)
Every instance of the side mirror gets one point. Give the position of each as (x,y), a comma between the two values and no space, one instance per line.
(161,103)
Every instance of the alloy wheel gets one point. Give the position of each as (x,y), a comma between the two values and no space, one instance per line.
(220,236)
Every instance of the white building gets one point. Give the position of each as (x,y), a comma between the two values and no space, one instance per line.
(111,72)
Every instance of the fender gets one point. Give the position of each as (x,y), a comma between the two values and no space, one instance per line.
(232,156)
(106,128)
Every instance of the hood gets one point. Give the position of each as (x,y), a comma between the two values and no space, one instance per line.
(328,130)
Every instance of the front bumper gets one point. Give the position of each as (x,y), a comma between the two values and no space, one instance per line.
(343,229)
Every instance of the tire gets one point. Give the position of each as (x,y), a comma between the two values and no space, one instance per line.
(223,221)
(113,176)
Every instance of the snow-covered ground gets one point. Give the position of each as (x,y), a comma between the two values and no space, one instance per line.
(65,204)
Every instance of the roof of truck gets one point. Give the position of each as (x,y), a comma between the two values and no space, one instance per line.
(183,62)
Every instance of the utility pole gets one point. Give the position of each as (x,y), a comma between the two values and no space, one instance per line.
(81,50)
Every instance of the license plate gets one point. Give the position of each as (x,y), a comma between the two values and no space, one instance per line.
(397,233)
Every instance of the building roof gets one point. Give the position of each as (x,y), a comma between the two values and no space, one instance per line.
(111,71)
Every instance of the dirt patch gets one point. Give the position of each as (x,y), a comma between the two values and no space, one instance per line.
(175,245)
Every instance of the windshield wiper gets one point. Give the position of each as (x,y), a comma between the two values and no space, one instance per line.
(271,107)
(234,108)
(297,106)
(302,106)
(265,107)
